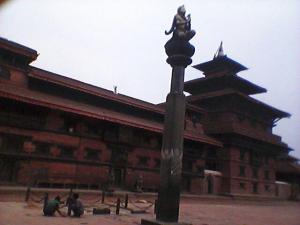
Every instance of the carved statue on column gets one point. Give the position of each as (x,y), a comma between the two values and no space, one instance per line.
(181,26)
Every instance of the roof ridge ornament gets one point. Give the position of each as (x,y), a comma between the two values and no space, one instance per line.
(220,51)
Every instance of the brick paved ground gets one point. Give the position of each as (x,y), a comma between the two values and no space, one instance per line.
(195,211)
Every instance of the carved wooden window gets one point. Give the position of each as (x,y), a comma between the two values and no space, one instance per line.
(255,159)
(242,171)
(4,73)
(67,152)
(211,154)
(266,159)
(255,173)
(242,186)
(242,154)
(255,188)
(70,123)
(111,133)
(11,143)
(200,170)
(267,175)
(157,163)
(42,148)
(143,160)
(91,154)
(267,188)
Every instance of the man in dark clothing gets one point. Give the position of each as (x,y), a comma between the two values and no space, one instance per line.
(52,206)
(76,206)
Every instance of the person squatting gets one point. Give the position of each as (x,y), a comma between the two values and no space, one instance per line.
(73,203)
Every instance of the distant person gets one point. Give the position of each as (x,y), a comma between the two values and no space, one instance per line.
(76,206)
(52,206)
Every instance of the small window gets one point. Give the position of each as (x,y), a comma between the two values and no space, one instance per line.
(267,188)
(242,186)
(4,73)
(242,154)
(42,148)
(12,143)
(242,171)
(157,163)
(143,161)
(211,154)
(266,160)
(255,173)
(255,188)
(91,154)
(200,169)
(267,175)
(69,124)
(67,152)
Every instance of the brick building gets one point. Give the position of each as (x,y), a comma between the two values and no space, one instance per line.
(59,132)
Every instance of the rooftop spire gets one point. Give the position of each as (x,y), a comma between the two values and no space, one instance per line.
(220,52)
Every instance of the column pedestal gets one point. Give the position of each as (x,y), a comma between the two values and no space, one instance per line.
(157,222)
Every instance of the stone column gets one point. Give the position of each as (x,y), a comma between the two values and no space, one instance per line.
(179,53)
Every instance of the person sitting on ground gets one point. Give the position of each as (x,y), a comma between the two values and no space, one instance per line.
(77,207)
(52,206)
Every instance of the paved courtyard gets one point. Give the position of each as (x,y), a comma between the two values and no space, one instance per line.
(195,211)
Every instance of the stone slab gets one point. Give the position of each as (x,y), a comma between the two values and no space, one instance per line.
(137,211)
(101,211)
(157,222)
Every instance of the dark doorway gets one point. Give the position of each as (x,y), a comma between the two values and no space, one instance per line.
(119,176)
(210,186)
(119,157)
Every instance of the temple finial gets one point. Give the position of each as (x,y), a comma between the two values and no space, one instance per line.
(220,52)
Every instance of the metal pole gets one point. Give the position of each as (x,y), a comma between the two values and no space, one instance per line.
(155,206)
(46,197)
(126,201)
(103,197)
(27,194)
(118,206)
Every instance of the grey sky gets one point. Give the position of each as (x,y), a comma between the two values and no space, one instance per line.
(107,43)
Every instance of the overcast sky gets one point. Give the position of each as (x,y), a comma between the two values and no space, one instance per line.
(118,42)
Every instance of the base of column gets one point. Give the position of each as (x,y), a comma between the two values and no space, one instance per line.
(157,222)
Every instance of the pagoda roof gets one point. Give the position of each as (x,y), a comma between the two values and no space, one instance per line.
(62,104)
(205,84)
(288,167)
(224,94)
(220,63)
(235,128)
(18,49)
(47,76)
